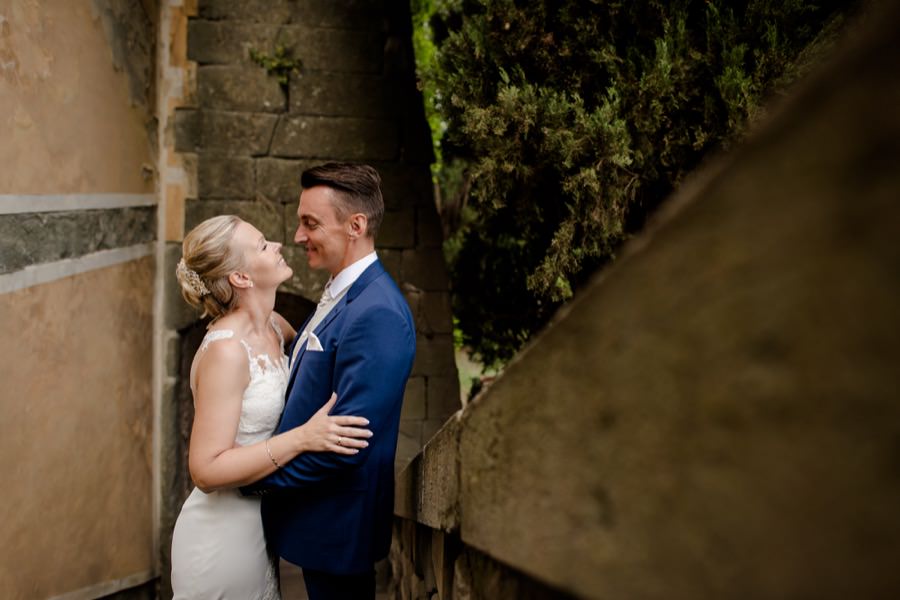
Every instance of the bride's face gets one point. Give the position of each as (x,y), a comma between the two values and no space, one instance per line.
(262,259)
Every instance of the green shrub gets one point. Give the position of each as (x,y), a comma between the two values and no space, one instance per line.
(568,122)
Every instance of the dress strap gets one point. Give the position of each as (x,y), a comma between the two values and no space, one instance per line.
(277,329)
(214,336)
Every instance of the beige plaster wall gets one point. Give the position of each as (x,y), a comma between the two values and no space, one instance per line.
(66,119)
(75,454)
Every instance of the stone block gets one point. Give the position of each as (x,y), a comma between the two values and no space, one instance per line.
(265,216)
(429,231)
(279,179)
(290,223)
(442,397)
(415,134)
(398,229)
(391,261)
(399,58)
(409,441)
(343,95)
(229,43)
(438,311)
(425,268)
(235,133)
(224,177)
(243,88)
(247,11)
(187,129)
(347,14)
(405,185)
(431,310)
(305,282)
(173,352)
(334,50)
(32,238)
(414,399)
(335,138)
(434,355)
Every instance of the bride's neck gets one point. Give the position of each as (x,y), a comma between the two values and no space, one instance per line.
(257,310)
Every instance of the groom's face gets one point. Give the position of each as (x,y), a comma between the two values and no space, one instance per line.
(321,232)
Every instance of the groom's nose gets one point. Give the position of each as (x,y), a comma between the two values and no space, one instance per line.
(300,236)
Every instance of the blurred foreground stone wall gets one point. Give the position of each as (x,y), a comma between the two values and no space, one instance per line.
(717,414)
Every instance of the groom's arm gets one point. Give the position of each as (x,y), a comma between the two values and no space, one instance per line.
(371,367)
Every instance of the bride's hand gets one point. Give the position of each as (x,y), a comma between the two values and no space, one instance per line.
(340,434)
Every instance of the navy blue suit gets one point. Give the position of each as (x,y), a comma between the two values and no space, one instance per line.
(331,512)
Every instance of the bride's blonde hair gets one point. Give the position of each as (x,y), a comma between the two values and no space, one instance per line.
(208,260)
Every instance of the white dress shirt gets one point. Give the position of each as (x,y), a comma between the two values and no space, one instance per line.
(334,290)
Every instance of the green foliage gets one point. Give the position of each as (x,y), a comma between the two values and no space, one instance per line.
(280,65)
(564,124)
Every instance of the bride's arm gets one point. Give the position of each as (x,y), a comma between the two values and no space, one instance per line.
(215,462)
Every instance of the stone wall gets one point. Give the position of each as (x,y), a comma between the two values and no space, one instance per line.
(235,140)
(715,415)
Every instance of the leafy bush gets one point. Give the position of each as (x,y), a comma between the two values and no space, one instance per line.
(568,122)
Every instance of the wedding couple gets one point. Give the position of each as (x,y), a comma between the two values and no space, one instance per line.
(309,440)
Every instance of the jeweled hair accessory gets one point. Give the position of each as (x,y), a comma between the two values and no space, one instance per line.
(190,275)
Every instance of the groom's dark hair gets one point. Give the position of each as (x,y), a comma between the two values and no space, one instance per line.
(358,190)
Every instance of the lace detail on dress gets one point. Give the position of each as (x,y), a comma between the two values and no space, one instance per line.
(263,399)
(213,336)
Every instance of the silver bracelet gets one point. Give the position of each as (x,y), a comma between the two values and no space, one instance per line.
(272,458)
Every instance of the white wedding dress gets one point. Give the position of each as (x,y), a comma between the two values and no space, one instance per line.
(218,546)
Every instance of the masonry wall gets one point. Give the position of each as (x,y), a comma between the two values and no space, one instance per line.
(77,228)
(716,415)
(235,140)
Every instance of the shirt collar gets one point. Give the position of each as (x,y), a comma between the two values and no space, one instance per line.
(345,278)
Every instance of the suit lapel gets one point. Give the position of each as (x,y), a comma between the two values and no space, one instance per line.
(368,276)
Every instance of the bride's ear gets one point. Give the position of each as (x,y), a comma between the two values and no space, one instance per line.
(240,281)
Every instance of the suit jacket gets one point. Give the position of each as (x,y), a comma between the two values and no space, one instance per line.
(332,512)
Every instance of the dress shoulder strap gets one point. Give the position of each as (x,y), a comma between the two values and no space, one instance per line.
(277,329)
(214,336)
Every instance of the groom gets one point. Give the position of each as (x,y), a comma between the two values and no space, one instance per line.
(333,513)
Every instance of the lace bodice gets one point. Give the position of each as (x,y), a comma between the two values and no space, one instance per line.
(263,398)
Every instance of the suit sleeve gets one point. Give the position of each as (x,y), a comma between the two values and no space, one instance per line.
(372,364)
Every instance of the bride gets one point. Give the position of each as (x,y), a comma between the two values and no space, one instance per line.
(238,379)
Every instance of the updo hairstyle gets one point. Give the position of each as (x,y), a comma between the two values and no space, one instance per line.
(208,260)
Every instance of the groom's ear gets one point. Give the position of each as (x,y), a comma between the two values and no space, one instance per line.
(357,225)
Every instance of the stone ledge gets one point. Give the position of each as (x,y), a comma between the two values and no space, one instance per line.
(428,488)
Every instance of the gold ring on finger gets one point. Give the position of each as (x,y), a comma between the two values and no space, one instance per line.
(339,440)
